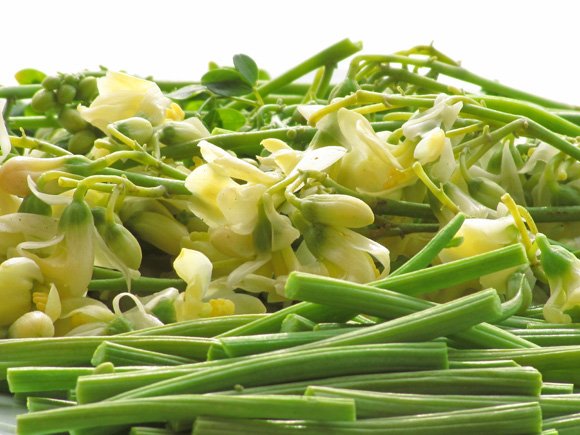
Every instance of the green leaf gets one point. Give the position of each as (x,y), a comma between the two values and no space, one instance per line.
(247,68)
(29,76)
(263,75)
(231,119)
(186,92)
(226,82)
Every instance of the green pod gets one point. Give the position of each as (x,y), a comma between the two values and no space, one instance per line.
(72,120)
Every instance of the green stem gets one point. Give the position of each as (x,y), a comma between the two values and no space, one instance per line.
(32,122)
(516,381)
(388,304)
(436,321)
(78,351)
(370,404)
(456,272)
(183,408)
(515,419)
(204,327)
(19,92)
(457,72)
(329,56)
(300,365)
(430,251)
(122,355)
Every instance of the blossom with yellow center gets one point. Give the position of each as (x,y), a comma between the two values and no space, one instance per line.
(123,96)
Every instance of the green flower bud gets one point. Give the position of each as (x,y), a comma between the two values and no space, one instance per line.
(66,93)
(485,191)
(51,83)
(43,101)
(71,120)
(124,244)
(82,141)
(34,324)
(87,89)
(118,325)
(164,310)
(563,195)
(178,132)
(161,231)
(136,128)
(71,79)
(32,204)
(337,210)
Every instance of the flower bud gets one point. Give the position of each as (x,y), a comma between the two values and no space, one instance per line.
(163,232)
(136,128)
(33,204)
(337,210)
(82,141)
(71,120)
(51,83)
(430,146)
(65,93)
(17,275)
(34,324)
(485,191)
(124,244)
(43,101)
(176,132)
(87,89)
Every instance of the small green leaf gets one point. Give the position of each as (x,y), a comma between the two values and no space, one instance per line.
(247,68)
(231,119)
(29,76)
(226,82)
(186,92)
(263,75)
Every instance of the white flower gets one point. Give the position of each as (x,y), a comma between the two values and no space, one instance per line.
(202,298)
(442,113)
(17,276)
(122,96)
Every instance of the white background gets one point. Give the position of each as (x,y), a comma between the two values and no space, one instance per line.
(533,45)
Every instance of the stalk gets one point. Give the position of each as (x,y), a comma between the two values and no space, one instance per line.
(437,321)
(371,404)
(456,272)
(388,304)
(204,327)
(121,355)
(516,419)
(78,351)
(300,365)
(515,381)
(183,408)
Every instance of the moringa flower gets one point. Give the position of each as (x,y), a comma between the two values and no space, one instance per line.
(443,112)
(200,299)
(17,276)
(122,96)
